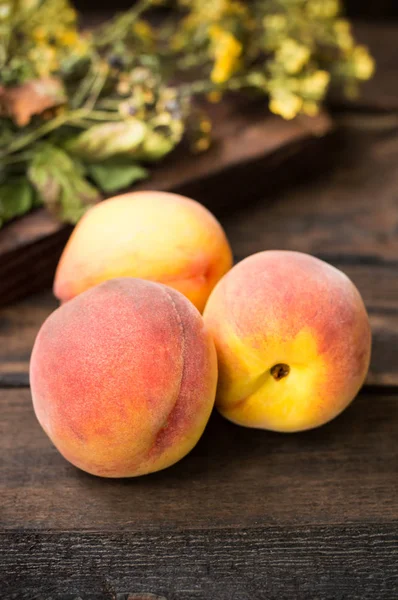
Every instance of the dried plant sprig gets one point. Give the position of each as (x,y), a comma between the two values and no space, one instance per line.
(291,50)
(82,112)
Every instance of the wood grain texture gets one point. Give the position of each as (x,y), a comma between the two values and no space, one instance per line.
(248,143)
(348,215)
(235,478)
(247,515)
(19,325)
(345,562)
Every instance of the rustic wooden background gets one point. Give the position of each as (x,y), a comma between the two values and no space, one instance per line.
(248,515)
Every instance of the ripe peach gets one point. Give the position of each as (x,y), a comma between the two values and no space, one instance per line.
(124,377)
(293,341)
(152,235)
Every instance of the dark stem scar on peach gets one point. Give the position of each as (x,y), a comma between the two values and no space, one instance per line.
(280,371)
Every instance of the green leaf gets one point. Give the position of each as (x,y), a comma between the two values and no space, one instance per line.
(76,196)
(109,139)
(45,181)
(16,199)
(113,176)
(60,183)
(155,146)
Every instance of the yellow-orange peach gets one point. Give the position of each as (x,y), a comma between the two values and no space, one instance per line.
(123,378)
(151,235)
(293,341)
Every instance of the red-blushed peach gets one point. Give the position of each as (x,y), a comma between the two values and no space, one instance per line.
(152,235)
(124,377)
(293,341)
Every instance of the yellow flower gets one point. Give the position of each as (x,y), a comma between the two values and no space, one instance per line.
(227,50)
(310,108)
(192,21)
(292,55)
(275,22)
(213,10)
(315,85)
(39,34)
(28,4)
(364,64)
(237,8)
(324,9)
(149,97)
(286,104)
(214,97)
(69,15)
(177,42)
(123,87)
(216,33)
(81,47)
(45,59)
(344,38)
(68,37)
(5,11)
(205,126)
(143,30)
(202,144)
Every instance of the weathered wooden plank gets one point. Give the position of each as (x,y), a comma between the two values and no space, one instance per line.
(348,215)
(384,362)
(344,472)
(19,325)
(267,563)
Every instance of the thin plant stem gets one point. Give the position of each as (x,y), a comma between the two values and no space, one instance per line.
(24,140)
(118,28)
(98,115)
(202,86)
(192,60)
(84,88)
(97,87)
(205,86)
(82,123)
(16,158)
(109,103)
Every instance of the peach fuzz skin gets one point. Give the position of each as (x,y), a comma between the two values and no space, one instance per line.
(293,341)
(157,236)
(123,378)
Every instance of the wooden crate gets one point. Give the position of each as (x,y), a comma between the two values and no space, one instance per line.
(252,154)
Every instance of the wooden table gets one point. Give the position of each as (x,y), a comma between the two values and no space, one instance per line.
(248,515)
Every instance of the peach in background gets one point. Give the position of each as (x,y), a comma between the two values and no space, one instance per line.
(157,236)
